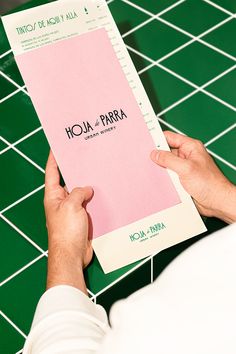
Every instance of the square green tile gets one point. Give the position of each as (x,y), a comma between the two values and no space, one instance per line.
(29,216)
(224,37)
(11,340)
(15,251)
(229,5)
(224,88)
(225,146)
(200,117)
(198,63)
(20,295)
(6,87)
(138,61)
(127,286)
(36,147)
(155,39)
(126,16)
(154,6)
(8,67)
(96,280)
(163,89)
(18,117)
(195,16)
(18,177)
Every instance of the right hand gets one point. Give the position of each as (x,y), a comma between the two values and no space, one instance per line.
(212,193)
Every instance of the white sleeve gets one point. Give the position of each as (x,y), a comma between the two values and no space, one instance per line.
(66,321)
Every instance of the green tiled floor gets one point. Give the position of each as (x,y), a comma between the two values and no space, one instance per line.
(183,64)
(223,37)
(8,67)
(203,16)
(161,39)
(22,118)
(222,88)
(198,63)
(201,117)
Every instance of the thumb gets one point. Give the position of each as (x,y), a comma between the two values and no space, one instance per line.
(169,160)
(81,195)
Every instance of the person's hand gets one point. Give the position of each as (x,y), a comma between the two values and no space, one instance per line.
(66,218)
(212,193)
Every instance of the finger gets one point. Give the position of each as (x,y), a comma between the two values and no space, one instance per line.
(66,189)
(171,161)
(52,177)
(176,140)
(80,195)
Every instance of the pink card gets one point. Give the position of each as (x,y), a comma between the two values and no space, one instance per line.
(96,129)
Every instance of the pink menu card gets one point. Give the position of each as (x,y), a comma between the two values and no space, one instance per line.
(96,129)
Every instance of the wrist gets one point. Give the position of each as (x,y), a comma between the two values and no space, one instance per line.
(65,267)
(65,249)
(226,209)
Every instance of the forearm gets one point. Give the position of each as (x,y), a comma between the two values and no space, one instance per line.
(226,209)
(64,267)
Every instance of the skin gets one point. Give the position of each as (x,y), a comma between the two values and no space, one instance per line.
(69,247)
(212,193)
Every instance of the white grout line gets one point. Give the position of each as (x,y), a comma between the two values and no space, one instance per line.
(90,293)
(187,43)
(13,82)
(23,268)
(196,91)
(221,159)
(21,233)
(209,151)
(225,72)
(196,38)
(5,53)
(142,9)
(208,83)
(30,264)
(150,19)
(216,98)
(170,126)
(23,155)
(21,139)
(167,9)
(152,16)
(21,199)
(11,94)
(198,88)
(20,351)
(13,324)
(219,7)
(178,29)
(220,135)
(175,104)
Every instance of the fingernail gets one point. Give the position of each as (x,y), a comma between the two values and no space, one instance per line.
(155,155)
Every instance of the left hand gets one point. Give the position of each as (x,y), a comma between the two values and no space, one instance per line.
(67,219)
